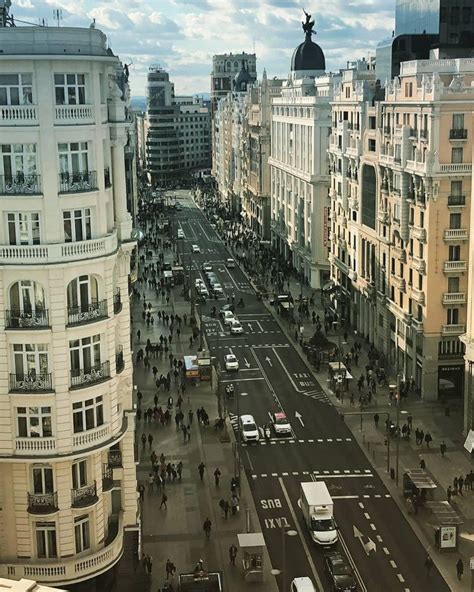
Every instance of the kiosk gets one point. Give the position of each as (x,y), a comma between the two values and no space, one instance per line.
(252,545)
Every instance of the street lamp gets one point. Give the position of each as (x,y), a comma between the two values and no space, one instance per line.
(339,351)
(277,572)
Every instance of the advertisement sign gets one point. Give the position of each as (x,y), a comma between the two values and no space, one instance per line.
(326,226)
(447,537)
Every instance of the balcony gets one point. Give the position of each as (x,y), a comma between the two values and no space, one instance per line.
(456,234)
(67,570)
(458,134)
(456,168)
(454,266)
(119,361)
(352,275)
(42,503)
(58,252)
(424,135)
(35,446)
(92,437)
(107,178)
(73,114)
(117,301)
(454,298)
(456,200)
(18,115)
(115,459)
(107,478)
(81,315)
(31,383)
(418,296)
(419,264)
(78,182)
(398,282)
(419,233)
(35,319)
(20,185)
(84,496)
(454,329)
(81,378)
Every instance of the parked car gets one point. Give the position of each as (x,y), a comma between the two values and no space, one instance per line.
(248,429)
(236,328)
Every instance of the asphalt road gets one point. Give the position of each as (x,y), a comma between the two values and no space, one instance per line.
(273,377)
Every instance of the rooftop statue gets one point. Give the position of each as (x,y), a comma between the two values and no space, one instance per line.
(308,25)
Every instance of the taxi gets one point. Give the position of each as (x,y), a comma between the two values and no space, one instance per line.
(281,425)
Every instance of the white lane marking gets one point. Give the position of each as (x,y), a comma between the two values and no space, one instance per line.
(244,379)
(393,564)
(379,538)
(400,577)
(250,462)
(261,328)
(352,562)
(386,551)
(361,505)
(372,526)
(302,538)
(367,515)
(345,497)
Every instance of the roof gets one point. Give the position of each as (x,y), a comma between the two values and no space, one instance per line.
(316,493)
(308,56)
(280,415)
(247,418)
(251,539)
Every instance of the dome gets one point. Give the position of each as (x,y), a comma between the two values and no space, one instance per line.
(308,56)
(242,79)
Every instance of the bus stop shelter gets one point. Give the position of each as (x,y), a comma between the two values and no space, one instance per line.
(448,525)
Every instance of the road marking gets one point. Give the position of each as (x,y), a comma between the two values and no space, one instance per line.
(372,526)
(361,505)
(379,538)
(393,564)
(250,462)
(352,562)
(302,538)
(366,515)
(339,497)
(386,551)
(244,379)
(400,577)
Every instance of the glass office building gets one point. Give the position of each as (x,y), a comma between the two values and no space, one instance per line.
(415,17)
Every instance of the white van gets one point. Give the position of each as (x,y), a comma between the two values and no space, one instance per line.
(248,429)
(302,585)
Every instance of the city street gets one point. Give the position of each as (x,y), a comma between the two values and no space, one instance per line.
(374,535)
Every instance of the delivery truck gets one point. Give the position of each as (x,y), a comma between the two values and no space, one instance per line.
(318,512)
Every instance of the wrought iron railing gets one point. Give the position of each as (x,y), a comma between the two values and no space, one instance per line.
(31,383)
(77,182)
(84,496)
(107,477)
(42,503)
(115,458)
(78,315)
(20,184)
(17,319)
(84,377)
(458,134)
(456,200)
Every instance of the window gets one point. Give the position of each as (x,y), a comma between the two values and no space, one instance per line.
(77,225)
(46,547)
(30,359)
(372,145)
(453,285)
(18,160)
(27,297)
(455,253)
(466,15)
(73,158)
(408,89)
(457,155)
(455,13)
(372,122)
(23,228)
(452,316)
(348,92)
(16,89)
(81,533)
(458,121)
(34,422)
(85,353)
(43,480)
(70,89)
(88,415)
(82,292)
(455,221)
(79,474)
(456,187)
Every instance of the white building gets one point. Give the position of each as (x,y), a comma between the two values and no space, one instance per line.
(24,586)
(67,467)
(301,122)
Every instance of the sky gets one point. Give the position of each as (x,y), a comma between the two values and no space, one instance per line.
(183,35)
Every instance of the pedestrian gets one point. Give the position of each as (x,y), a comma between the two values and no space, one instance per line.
(138,334)
(190,416)
(207,528)
(141,491)
(226,509)
(471,479)
(150,440)
(428,565)
(179,469)
(217,476)
(422,463)
(201,468)
(151,481)
(461,484)
(459,568)
(232,554)
(443,448)
(449,494)
(222,505)
(455,486)
(143,440)
(149,564)
(164,499)
(376,420)
(428,439)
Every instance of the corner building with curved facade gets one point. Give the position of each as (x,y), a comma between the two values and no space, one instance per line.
(67,467)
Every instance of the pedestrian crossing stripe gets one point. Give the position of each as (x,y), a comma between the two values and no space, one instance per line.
(335,474)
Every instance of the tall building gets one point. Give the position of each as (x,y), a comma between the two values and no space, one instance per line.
(445,27)
(256,146)
(301,122)
(178,134)
(400,173)
(68,494)
(225,68)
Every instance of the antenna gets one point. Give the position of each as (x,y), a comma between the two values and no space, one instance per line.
(57,14)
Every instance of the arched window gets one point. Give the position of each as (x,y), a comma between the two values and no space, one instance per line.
(27,305)
(83,303)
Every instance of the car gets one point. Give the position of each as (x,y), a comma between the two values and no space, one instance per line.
(195,249)
(225,308)
(217,289)
(228,317)
(179,208)
(202,290)
(212,277)
(303,584)
(231,362)
(339,572)
(248,429)
(230,263)
(199,282)
(281,425)
(236,328)
(180,233)
(206,266)
(280,299)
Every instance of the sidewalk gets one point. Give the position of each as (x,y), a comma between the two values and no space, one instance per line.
(430,417)
(176,532)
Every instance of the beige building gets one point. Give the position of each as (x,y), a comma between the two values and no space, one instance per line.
(67,426)
(401,172)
